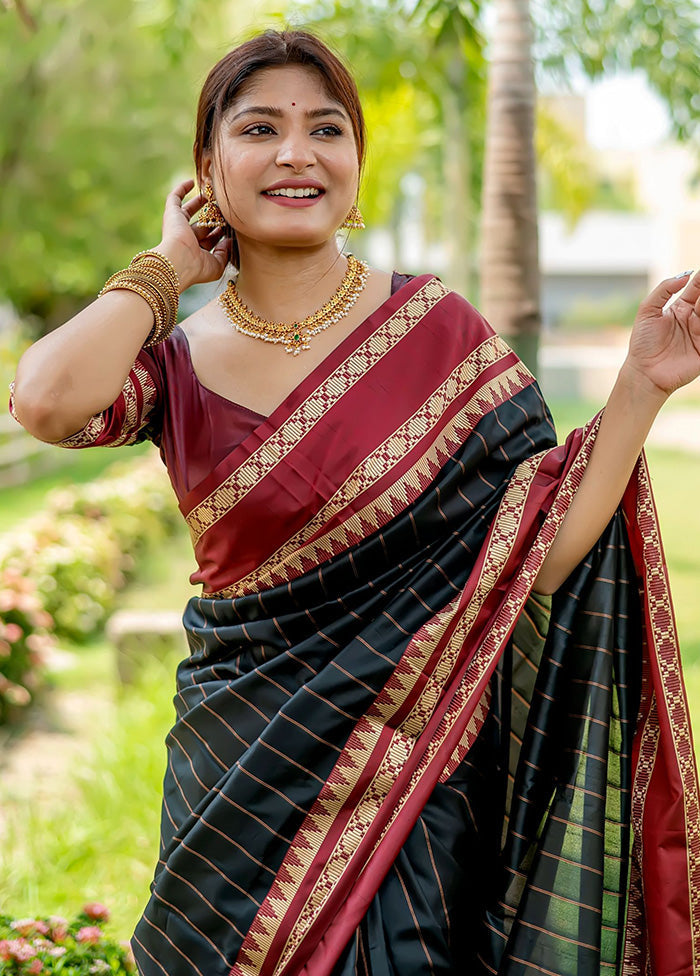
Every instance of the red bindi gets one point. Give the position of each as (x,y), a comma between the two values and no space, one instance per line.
(293,103)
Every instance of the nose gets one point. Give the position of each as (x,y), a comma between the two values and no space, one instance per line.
(296,151)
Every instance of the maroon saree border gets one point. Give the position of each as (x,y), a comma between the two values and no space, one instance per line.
(666,803)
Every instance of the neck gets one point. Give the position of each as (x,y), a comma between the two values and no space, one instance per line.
(283,284)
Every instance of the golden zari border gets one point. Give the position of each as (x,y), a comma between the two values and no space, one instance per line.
(408,673)
(248,474)
(664,641)
(306,548)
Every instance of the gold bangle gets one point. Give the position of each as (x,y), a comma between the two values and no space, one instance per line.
(167,297)
(151,275)
(161,259)
(145,293)
(154,290)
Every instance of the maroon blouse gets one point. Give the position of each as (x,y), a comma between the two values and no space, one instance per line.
(163,401)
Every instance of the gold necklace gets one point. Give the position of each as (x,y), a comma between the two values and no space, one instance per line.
(296,335)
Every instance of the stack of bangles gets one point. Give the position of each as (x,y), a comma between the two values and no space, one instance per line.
(154,278)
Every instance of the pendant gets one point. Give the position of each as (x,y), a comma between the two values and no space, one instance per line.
(296,343)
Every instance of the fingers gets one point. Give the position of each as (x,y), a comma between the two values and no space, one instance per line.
(657,300)
(692,292)
(193,205)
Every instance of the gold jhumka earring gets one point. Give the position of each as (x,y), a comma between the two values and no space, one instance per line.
(210,215)
(354,219)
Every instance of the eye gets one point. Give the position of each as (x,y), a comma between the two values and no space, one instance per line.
(329,130)
(261,128)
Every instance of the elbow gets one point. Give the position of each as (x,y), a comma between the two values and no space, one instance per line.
(546,583)
(38,415)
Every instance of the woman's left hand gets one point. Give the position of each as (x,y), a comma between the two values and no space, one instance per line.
(665,343)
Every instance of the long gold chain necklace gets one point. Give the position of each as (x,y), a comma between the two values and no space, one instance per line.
(296,335)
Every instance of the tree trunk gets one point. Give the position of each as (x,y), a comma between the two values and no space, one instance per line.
(510,280)
(456,170)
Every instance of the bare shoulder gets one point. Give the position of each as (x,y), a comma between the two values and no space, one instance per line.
(202,321)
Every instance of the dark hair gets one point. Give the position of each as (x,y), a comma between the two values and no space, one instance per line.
(268,50)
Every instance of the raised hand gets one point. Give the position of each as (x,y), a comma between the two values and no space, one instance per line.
(198,253)
(665,342)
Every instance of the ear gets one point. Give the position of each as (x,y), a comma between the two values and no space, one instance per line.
(205,174)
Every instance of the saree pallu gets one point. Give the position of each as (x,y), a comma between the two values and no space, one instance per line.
(390,757)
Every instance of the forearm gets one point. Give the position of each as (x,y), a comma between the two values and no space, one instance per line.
(624,425)
(79,369)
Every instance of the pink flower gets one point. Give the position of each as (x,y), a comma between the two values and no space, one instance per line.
(18,949)
(35,967)
(8,600)
(44,619)
(97,911)
(5,649)
(13,632)
(90,934)
(59,928)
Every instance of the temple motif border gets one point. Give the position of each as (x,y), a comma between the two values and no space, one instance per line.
(663,642)
(435,652)
(314,407)
(308,548)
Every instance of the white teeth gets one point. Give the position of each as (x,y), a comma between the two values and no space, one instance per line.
(287,191)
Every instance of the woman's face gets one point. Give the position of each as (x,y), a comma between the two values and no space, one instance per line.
(285,169)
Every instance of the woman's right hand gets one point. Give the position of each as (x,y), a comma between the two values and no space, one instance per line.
(198,253)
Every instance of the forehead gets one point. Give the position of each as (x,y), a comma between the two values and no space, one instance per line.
(285,84)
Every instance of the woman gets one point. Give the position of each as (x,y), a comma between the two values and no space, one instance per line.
(378,765)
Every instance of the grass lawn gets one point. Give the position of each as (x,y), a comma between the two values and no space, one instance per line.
(96,838)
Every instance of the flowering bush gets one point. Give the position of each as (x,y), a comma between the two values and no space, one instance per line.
(75,566)
(33,946)
(61,570)
(80,550)
(24,641)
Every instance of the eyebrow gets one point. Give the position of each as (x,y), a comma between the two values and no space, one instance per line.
(277,113)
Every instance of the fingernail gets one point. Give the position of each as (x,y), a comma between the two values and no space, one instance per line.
(684,274)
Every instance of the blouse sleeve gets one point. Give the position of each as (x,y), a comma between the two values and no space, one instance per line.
(136,414)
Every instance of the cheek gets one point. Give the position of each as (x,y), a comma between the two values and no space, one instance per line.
(237,170)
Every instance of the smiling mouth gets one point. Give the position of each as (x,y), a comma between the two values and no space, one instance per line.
(294,192)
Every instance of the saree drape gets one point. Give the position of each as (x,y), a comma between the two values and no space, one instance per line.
(380,765)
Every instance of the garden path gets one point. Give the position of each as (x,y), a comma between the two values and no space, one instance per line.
(38,761)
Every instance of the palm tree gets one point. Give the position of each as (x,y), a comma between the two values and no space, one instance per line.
(510,279)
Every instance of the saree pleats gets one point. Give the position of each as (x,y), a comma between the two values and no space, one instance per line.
(390,757)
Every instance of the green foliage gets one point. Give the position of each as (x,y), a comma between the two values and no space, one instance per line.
(98,110)
(589,315)
(661,38)
(569,181)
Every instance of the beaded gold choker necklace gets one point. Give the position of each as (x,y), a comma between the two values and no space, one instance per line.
(296,335)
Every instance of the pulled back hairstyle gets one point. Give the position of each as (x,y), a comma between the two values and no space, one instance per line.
(269,50)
